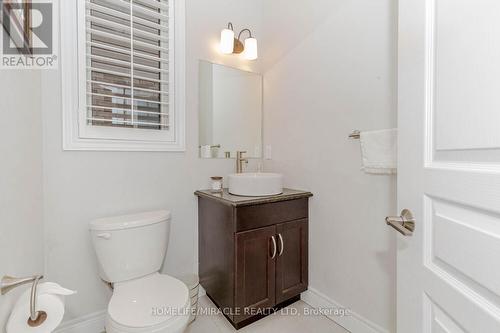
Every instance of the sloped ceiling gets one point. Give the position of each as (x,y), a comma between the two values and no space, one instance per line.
(286,23)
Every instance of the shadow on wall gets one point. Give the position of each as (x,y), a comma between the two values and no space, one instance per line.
(285,29)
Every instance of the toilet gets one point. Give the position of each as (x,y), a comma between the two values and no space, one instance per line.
(131,250)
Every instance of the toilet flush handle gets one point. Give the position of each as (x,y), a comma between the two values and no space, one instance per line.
(105,236)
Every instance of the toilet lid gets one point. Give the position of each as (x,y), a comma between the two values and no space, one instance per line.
(149,301)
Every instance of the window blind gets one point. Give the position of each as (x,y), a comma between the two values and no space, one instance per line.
(128,63)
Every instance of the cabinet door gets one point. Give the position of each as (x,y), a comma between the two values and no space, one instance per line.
(292,259)
(255,271)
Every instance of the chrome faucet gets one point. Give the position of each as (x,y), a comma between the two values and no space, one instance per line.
(240,160)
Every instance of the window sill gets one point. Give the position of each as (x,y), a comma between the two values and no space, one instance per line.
(79,144)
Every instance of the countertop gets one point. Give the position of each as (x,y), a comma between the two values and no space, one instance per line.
(240,201)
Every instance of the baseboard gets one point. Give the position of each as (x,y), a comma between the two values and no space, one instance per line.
(92,323)
(201,292)
(354,322)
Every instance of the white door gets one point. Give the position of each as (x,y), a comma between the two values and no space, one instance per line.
(449,160)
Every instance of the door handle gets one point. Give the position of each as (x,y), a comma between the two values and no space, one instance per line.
(404,224)
(275,249)
(282,245)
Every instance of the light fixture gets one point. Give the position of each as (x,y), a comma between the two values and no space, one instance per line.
(251,51)
(227,40)
(231,45)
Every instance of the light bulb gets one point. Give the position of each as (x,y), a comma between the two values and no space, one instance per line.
(251,50)
(227,41)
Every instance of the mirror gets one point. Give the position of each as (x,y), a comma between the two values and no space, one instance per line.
(230,112)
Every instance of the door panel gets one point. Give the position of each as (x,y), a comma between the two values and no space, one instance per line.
(454,226)
(292,264)
(449,165)
(439,321)
(255,271)
(467,73)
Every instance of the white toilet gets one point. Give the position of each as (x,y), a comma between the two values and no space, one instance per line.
(131,250)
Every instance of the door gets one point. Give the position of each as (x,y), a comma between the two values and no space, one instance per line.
(449,166)
(256,251)
(291,261)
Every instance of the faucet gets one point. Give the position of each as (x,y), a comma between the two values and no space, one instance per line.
(240,160)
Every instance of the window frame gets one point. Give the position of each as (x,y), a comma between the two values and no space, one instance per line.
(77,134)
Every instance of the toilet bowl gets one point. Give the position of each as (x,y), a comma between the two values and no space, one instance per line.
(130,250)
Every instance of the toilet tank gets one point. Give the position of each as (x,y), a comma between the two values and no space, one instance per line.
(130,246)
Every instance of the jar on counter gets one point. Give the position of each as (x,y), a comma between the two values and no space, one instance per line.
(216,184)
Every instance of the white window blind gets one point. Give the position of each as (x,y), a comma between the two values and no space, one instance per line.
(127,59)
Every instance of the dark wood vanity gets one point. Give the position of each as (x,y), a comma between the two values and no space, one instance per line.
(253,252)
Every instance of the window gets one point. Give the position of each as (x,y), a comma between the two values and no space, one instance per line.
(130,76)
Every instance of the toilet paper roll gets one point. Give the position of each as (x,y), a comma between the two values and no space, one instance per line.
(50,300)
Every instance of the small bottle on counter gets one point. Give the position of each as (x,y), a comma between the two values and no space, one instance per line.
(206,151)
(216,184)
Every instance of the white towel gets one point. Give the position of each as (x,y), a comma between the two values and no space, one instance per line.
(379,150)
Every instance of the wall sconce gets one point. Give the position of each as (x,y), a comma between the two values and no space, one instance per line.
(229,44)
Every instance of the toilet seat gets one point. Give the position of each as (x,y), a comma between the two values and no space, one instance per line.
(155,303)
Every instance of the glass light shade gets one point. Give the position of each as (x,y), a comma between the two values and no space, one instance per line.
(251,50)
(227,41)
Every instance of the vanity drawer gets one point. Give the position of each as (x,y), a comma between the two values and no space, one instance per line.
(263,215)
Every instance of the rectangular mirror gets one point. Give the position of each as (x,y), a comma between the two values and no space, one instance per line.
(230,112)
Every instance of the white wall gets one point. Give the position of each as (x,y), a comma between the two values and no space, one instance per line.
(80,186)
(21,226)
(339,74)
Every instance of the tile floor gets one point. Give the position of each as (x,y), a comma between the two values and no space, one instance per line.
(275,323)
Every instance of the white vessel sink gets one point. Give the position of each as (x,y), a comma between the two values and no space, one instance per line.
(255,184)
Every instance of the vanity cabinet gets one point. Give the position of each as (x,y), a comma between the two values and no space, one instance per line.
(292,264)
(253,252)
(255,270)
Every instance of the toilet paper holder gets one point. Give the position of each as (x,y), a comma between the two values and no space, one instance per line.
(8,283)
